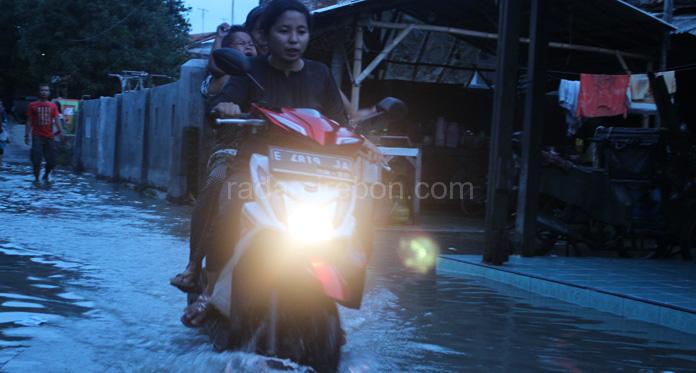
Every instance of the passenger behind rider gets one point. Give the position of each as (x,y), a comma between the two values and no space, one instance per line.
(226,36)
(253,27)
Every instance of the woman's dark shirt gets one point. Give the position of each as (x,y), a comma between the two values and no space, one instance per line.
(311,87)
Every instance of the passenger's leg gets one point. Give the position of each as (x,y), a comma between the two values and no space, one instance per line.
(36,155)
(201,220)
(226,229)
(49,152)
(219,243)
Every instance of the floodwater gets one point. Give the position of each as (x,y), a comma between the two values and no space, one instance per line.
(84,269)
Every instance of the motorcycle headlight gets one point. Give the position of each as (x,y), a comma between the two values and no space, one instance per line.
(310,223)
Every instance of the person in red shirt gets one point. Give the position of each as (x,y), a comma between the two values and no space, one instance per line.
(42,115)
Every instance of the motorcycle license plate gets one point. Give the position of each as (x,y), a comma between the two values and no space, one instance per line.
(288,161)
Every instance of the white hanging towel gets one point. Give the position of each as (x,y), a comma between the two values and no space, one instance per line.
(568,92)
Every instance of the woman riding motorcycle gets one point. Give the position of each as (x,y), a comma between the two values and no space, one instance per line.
(288,80)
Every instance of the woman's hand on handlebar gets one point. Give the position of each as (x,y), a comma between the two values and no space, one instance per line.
(227,110)
(374,155)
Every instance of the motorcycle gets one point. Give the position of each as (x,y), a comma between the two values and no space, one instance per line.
(299,253)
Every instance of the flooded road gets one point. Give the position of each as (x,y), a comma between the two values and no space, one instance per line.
(84,269)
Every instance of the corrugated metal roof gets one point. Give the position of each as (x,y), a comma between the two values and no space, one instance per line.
(341,4)
(685,24)
(610,24)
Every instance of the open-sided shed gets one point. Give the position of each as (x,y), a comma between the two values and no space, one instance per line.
(508,43)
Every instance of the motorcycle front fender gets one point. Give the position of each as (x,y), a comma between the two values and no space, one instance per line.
(343,282)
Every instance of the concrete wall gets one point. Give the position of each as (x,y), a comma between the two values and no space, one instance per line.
(160,133)
(190,113)
(88,139)
(138,136)
(131,145)
(105,136)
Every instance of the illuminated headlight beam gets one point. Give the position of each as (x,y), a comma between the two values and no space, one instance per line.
(310,223)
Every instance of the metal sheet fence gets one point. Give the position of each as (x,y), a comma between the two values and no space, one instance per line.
(138,136)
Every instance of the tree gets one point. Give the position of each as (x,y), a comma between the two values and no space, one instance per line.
(85,40)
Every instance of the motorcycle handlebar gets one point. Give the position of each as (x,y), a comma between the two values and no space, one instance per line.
(241,122)
(385,166)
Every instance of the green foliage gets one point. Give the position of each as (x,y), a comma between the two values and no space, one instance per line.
(86,40)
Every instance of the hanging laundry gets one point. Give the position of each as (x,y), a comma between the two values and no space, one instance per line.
(640,86)
(568,92)
(602,95)
(670,80)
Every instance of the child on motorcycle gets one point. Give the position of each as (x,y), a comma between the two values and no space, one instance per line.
(227,37)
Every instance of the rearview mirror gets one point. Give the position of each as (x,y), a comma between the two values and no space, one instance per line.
(231,61)
(393,108)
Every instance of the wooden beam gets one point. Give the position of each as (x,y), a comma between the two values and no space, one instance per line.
(435,65)
(383,54)
(622,62)
(500,159)
(337,58)
(493,36)
(357,66)
(455,44)
(426,39)
(391,33)
(530,172)
(667,13)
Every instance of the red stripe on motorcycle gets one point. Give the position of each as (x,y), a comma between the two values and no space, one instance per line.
(334,286)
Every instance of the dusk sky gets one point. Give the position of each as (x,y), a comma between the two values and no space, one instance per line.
(218,11)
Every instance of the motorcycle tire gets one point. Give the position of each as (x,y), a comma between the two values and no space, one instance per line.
(318,333)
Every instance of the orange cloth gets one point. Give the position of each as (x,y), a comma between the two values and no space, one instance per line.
(602,95)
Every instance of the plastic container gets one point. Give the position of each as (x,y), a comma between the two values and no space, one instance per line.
(440,131)
(452,135)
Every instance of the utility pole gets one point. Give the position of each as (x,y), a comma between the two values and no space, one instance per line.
(500,162)
(203,11)
(232,14)
(667,17)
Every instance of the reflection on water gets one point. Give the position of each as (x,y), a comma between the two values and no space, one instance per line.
(32,293)
(475,324)
(85,268)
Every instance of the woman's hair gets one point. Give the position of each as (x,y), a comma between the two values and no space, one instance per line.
(253,16)
(227,40)
(276,8)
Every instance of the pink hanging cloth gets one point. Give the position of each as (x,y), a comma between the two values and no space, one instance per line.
(602,95)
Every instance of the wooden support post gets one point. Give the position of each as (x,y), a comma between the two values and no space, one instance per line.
(418,178)
(337,58)
(357,66)
(383,54)
(499,180)
(528,192)
(668,10)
